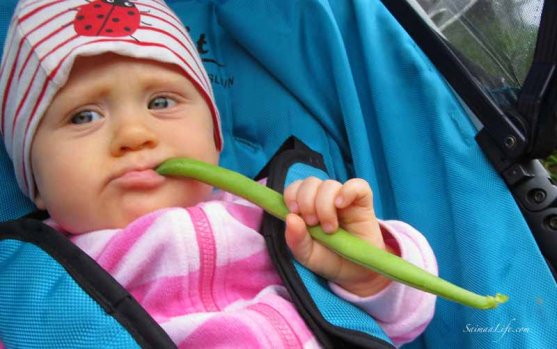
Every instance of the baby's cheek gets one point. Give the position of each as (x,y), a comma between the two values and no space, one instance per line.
(187,192)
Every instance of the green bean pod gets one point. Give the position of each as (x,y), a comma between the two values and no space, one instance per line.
(342,242)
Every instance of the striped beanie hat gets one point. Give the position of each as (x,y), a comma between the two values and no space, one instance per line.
(45,37)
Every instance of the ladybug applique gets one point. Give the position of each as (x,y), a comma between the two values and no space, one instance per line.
(107,18)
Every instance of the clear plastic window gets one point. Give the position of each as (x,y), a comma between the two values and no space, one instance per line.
(495,38)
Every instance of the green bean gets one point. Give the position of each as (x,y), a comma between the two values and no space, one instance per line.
(342,242)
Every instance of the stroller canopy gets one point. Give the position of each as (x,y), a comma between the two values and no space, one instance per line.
(350,79)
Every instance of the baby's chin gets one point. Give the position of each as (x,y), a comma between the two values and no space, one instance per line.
(118,214)
(120,219)
(111,222)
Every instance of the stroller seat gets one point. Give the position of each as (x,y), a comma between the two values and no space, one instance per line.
(346,79)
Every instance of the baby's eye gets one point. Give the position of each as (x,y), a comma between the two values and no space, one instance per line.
(85,116)
(161,102)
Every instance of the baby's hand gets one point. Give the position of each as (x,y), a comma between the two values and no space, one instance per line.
(330,204)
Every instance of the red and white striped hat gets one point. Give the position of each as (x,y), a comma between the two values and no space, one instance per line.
(45,37)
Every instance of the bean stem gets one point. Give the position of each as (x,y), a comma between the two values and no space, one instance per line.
(342,242)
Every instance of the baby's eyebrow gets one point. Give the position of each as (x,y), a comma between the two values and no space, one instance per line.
(168,81)
(84,92)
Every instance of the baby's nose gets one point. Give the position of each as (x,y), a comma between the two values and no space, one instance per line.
(132,137)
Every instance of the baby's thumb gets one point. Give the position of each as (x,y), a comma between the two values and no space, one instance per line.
(298,239)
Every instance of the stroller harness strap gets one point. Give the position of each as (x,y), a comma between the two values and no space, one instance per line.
(55,296)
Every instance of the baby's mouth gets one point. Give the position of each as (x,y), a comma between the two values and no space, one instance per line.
(139,179)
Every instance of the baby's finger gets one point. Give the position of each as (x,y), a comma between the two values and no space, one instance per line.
(305,197)
(290,194)
(298,239)
(355,191)
(308,251)
(325,205)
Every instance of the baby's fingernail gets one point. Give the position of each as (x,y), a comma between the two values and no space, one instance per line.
(339,201)
(328,227)
(293,207)
(311,220)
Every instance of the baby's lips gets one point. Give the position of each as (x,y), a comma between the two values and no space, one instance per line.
(139,179)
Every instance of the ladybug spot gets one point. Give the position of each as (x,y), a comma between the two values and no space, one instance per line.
(109,30)
(88,27)
(80,17)
(97,5)
(115,20)
(131,13)
(128,29)
(101,16)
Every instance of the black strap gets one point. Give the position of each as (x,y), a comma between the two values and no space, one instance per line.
(503,129)
(538,98)
(95,281)
(509,139)
(329,336)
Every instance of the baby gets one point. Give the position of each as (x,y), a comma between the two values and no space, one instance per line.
(93,99)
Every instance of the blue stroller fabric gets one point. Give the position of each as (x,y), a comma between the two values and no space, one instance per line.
(343,77)
(55,296)
(334,321)
(61,309)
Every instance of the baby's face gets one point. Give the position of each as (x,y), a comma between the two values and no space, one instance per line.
(108,128)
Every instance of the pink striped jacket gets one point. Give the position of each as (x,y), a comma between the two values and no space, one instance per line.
(204,274)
